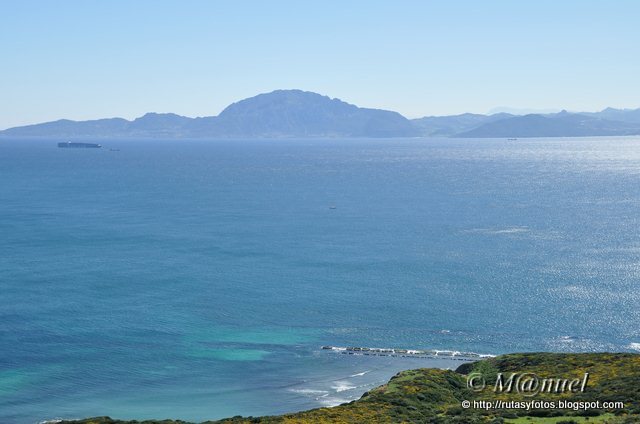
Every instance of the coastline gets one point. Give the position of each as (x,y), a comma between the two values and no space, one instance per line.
(439,395)
(338,378)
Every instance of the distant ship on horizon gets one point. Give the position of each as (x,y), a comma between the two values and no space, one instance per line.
(79,145)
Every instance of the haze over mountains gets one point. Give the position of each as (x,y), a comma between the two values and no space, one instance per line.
(296,113)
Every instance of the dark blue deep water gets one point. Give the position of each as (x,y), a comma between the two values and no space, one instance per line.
(198,279)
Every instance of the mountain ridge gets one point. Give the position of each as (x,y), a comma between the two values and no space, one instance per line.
(304,114)
(562,124)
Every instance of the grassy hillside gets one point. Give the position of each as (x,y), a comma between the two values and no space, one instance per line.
(435,396)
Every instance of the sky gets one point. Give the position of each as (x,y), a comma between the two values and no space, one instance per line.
(87,59)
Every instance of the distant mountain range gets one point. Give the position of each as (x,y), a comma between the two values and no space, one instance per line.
(296,113)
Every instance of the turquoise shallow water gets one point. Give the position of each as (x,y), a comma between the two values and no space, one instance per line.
(198,279)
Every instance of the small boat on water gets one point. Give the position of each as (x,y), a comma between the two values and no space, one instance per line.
(70,144)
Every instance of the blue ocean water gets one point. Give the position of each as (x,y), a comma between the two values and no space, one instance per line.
(198,279)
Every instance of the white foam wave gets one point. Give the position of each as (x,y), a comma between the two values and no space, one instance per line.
(512,230)
(341,386)
(358,374)
(508,230)
(333,401)
(309,391)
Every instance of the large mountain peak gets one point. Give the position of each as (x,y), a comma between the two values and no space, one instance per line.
(291,113)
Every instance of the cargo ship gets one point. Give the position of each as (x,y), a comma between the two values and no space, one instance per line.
(80,145)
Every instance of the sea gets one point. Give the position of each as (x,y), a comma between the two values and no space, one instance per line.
(199,279)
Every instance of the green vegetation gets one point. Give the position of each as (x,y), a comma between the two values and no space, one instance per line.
(601,419)
(435,396)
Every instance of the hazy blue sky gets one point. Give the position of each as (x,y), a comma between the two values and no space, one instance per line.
(89,59)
